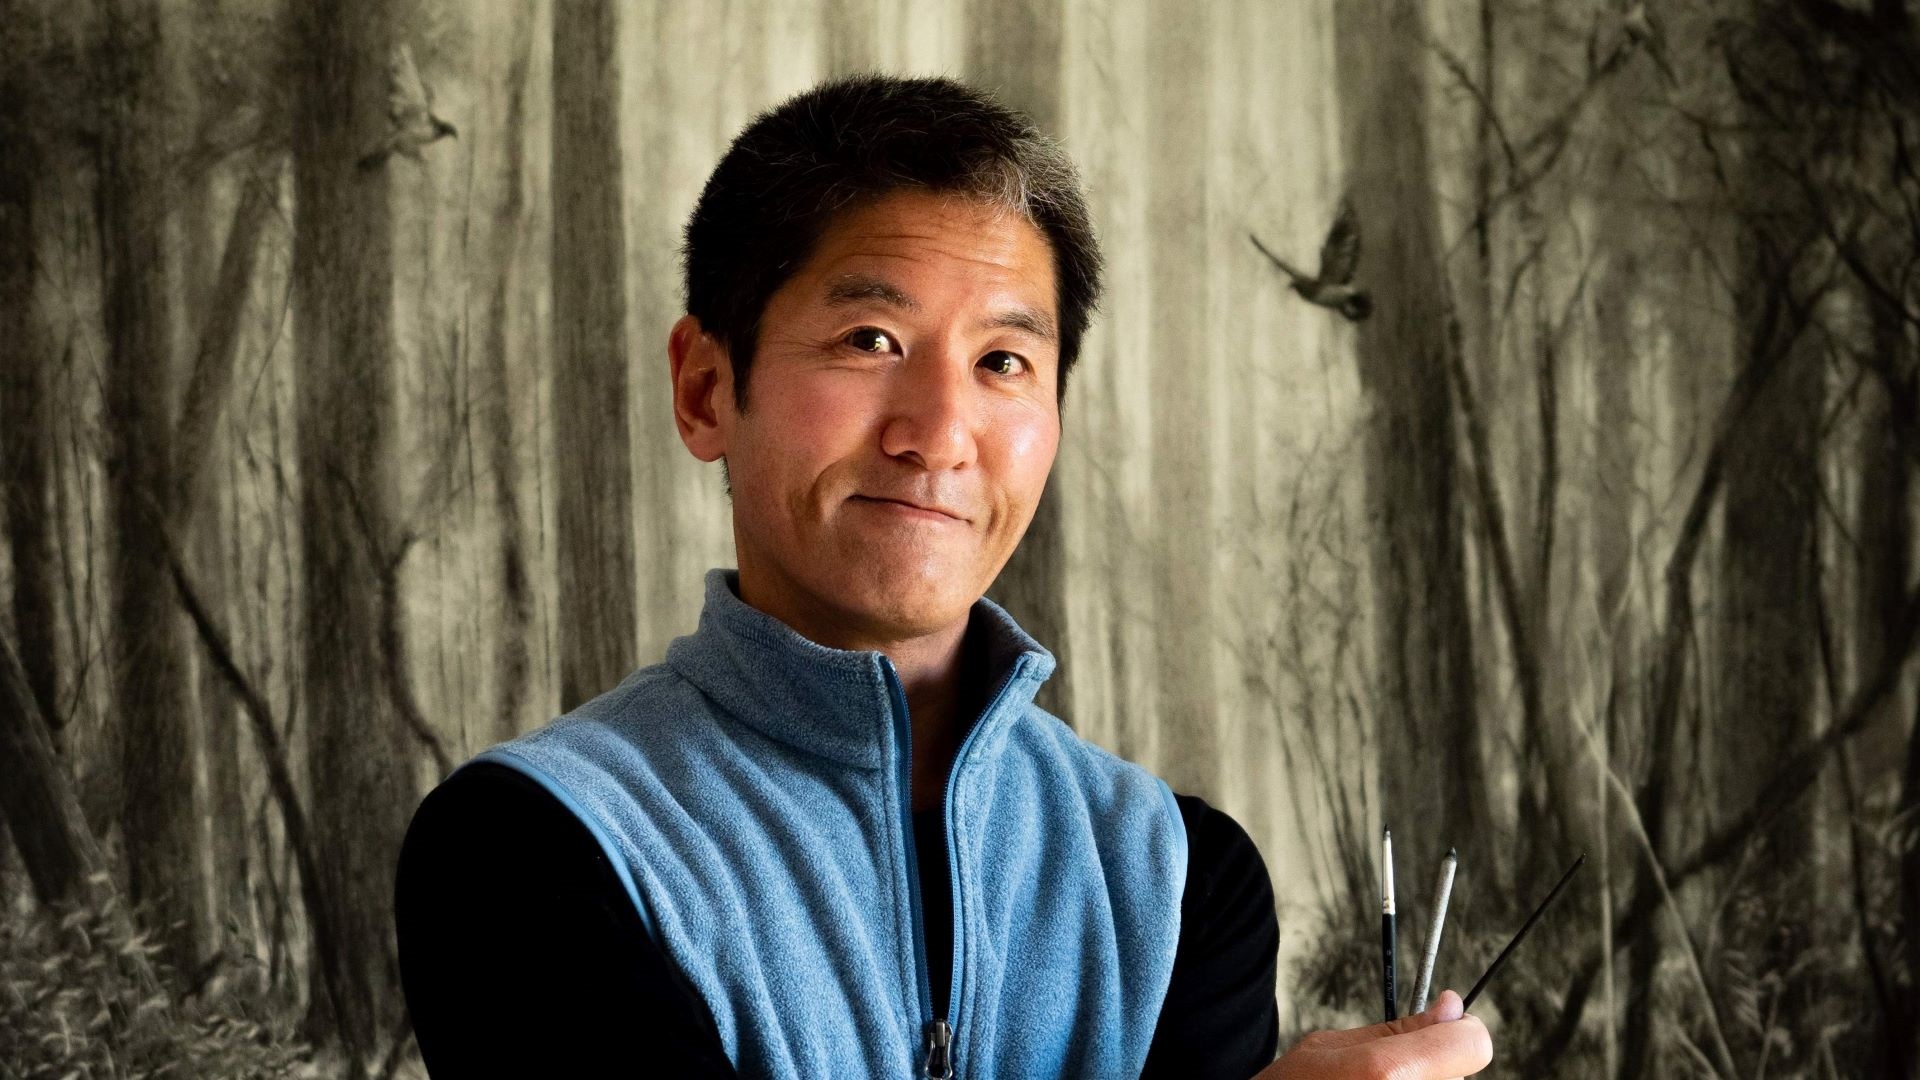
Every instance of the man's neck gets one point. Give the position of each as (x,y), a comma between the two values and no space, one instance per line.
(941,708)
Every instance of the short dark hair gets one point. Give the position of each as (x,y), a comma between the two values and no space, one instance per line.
(848,141)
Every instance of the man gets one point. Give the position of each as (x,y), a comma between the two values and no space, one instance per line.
(831,835)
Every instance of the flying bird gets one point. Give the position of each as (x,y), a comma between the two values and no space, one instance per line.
(409,113)
(1333,286)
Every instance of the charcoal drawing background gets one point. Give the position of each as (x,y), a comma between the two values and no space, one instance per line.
(335,452)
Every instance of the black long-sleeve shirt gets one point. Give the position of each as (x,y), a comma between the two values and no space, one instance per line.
(522,955)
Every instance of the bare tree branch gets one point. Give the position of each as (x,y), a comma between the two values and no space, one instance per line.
(1798,771)
(1726,1065)
(293,818)
(41,808)
(393,642)
(208,387)
(1493,526)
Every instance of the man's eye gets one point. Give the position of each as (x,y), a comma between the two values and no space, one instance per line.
(868,339)
(999,356)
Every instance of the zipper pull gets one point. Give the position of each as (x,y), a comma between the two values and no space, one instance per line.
(939,1063)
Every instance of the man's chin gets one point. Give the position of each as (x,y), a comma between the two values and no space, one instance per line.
(918,602)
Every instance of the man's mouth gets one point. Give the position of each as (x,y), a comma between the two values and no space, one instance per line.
(914,509)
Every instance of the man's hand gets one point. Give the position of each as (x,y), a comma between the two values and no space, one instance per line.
(1434,1045)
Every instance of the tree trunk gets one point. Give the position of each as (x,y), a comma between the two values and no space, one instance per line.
(1760,646)
(1763,646)
(1765,640)
(512,657)
(1891,425)
(152,694)
(214,536)
(38,800)
(26,419)
(1014,50)
(1430,779)
(198,229)
(359,759)
(597,606)
(1889,429)
(1614,366)
(1616,360)
(1910,900)
(1188,710)
(219,294)
(41,809)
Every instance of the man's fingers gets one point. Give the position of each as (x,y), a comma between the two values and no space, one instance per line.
(1438,1044)
(1445,1009)
(1460,1048)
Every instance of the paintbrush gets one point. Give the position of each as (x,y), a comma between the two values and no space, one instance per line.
(1388,934)
(1442,891)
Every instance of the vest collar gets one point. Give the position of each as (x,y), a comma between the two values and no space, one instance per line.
(836,703)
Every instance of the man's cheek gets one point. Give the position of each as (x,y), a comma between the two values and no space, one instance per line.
(824,428)
(1024,427)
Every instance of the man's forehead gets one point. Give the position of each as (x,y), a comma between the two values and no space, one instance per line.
(911,224)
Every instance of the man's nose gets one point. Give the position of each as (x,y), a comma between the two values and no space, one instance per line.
(931,411)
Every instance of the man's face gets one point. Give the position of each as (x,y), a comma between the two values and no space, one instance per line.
(913,358)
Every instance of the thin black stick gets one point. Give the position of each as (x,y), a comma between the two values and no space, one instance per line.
(1500,960)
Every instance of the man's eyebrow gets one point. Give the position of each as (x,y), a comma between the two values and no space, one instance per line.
(1024,319)
(864,288)
(860,288)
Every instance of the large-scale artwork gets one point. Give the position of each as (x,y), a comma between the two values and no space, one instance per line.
(1499,426)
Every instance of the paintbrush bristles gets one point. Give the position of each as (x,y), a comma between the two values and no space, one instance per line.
(1389,934)
(1386,872)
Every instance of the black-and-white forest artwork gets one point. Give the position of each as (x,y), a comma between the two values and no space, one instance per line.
(1501,425)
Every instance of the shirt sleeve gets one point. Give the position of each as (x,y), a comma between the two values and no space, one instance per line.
(521,953)
(1220,1019)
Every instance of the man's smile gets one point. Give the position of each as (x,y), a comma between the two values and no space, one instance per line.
(910,510)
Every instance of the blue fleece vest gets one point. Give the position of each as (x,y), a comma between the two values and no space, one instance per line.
(752,793)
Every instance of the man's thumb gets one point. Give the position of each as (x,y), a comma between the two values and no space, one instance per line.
(1444,1008)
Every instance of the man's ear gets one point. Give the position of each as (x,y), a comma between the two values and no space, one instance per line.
(702,389)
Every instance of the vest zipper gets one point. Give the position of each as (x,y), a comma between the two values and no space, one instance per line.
(939,1060)
(903,731)
(937,1032)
